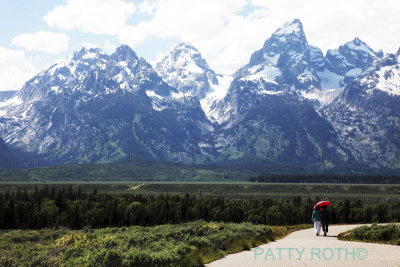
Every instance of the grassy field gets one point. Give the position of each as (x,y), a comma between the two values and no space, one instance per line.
(136,170)
(189,244)
(132,171)
(236,190)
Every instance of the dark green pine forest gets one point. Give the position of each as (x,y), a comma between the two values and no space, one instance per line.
(73,208)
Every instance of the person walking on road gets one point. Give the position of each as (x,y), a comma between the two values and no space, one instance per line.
(316,218)
(324,219)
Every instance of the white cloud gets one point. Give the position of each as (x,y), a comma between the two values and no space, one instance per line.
(227,32)
(226,38)
(109,47)
(203,23)
(147,8)
(52,43)
(185,18)
(15,69)
(329,24)
(93,16)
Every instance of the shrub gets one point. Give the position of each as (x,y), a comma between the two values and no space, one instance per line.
(359,232)
(73,239)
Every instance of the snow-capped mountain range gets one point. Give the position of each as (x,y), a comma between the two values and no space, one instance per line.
(290,103)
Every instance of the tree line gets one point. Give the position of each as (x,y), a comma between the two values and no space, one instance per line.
(327,178)
(76,209)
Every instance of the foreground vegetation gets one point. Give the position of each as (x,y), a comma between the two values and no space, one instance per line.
(74,208)
(386,234)
(189,244)
(158,224)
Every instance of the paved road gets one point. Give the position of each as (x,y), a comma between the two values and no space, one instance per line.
(303,248)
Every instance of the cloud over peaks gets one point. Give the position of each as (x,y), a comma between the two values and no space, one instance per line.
(92,16)
(43,41)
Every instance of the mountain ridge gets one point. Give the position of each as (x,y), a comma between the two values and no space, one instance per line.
(285,105)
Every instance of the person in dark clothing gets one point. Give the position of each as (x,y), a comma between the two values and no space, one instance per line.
(324,219)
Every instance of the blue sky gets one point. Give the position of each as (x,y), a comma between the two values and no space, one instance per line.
(36,33)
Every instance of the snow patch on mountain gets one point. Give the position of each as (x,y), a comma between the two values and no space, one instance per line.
(152,94)
(354,72)
(267,72)
(16,100)
(330,80)
(387,79)
(322,97)
(217,93)
(273,58)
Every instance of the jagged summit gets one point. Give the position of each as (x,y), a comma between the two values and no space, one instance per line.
(365,114)
(125,51)
(360,46)
(385,77)
(294,27)
(351,60)
(185,46)
(357,41)
(289,39)
(86,53)
(185,69)
(284,62)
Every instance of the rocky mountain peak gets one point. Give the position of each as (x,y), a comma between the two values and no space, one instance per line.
(287,49)
(85,54)
(351,60)
(359,47)
(184,55)
(185,69)
(124,53)
(186,47)
(294,27)
(317,58)
(288,41)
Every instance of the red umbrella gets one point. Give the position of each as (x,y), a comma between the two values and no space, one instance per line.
(320,204)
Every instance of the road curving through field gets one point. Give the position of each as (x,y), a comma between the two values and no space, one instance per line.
(303,248)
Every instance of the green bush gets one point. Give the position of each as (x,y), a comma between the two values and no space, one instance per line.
(111,258)
(200,242)
(375,233)
(359,232)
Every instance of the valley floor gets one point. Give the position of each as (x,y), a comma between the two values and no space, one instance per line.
(366,192)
